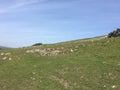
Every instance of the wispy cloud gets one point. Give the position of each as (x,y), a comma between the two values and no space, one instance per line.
(18,4)
(24,5)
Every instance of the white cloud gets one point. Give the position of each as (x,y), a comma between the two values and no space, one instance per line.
(26,5)
(18,4)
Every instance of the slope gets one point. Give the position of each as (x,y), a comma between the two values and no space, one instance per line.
(75,65)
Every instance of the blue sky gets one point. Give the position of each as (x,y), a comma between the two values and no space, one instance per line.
(25,22)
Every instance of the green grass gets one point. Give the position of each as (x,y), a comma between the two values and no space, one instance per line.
(93,65)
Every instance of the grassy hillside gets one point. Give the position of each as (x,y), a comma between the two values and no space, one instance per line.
(76,65)
(2,47)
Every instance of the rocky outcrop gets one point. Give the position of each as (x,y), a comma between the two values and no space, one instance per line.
(50,51)
(115,33)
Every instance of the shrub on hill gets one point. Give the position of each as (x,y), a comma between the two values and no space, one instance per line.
(115,33)
(37,44)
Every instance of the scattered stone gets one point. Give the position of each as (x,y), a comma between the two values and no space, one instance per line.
(76,46)
(7,54)
(50,51)
(71,50)
(2,54)
(55,52)
(113,86)
(32,78)
(37,50)
(31,51)
(33,73)
(10,59)
(104,86)
(27,51)
(4,58)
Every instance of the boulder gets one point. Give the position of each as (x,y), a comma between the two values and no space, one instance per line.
(115,33)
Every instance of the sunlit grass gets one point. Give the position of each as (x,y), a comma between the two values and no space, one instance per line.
(92,65)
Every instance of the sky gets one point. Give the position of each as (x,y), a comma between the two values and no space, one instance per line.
(26,22)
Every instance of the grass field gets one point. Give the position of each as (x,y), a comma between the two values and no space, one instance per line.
(76,65)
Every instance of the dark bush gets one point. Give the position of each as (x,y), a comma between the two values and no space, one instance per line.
(37,44)
(115,33)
